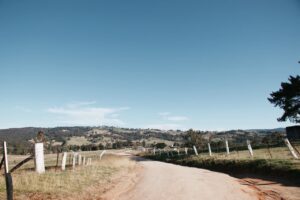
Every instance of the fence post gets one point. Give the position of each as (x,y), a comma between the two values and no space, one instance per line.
(178,151)
(102,153)
(83,162)
(209,149)
(288,144)
(39,159)
(64,160)
(8,178)
(74,160)
(250,148)
(195,150)
(186,151)
(227,147)
(79,159)
(154,151)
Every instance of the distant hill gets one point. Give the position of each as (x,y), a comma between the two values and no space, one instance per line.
(88,138)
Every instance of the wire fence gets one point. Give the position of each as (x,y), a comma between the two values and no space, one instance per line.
(235,151)
(51,160)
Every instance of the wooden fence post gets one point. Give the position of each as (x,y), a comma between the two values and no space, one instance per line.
(64,160)
(209,149)
(186,151)
(83,162)
(39,159)
(74,160)
(154,151)
(79,159)
(227,147)
(288,144)
(250,148)
(8,178)
(195,150)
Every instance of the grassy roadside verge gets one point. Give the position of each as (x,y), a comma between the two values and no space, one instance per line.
(279,168)
(85,182)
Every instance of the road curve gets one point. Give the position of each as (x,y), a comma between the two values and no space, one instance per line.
(166,181)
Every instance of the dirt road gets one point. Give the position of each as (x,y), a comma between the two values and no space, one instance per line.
(158,180)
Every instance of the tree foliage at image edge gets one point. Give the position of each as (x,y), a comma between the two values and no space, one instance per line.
(288,98)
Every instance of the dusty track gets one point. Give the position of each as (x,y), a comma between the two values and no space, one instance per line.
(158,180)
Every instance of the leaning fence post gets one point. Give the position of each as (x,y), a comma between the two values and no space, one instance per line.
(209,149)
(195,150)
(288,144)
(227,147)
(102,153)
(250,148)
(8,178)
(64,160)
(39,159)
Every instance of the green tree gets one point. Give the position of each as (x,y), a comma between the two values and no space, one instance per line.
(160,145)
(288,98)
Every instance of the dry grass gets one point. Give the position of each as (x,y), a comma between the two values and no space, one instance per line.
(263,153)
(85,182)
(78,141)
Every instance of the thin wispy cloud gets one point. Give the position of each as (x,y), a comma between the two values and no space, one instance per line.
(87,114)
(164,113)
(168,116)
(165,126)
(169,122)
(177,118)
(23,109)
(79,104)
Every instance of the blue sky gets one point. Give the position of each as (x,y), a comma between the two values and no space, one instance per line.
(170,64)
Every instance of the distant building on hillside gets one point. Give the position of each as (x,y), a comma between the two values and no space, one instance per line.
(293,133)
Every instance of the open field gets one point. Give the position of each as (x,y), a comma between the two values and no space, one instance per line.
(85,182)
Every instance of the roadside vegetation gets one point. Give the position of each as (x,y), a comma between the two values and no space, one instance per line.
(85,182)
(281,165)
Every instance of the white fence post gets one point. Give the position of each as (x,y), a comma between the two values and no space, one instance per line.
(186,151)
(227,147)
(195,150)
(250,148)
(154,151)
(288,144)
(102,153)
(178,151)
(64,160)
(209,149)
(39,159)
(6,169)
